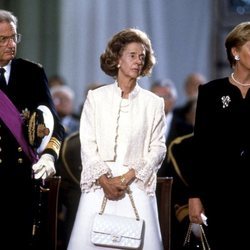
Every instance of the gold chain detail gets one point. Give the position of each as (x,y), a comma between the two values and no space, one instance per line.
(203,238)
(129,192)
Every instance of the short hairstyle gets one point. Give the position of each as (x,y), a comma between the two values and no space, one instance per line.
(237,38)
(117,44)
(62,89)
(7,16)
(165,83)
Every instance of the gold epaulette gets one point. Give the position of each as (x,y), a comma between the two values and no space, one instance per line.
(54,144)
(171,157)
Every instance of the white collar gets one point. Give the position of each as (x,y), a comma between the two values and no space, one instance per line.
(132,94)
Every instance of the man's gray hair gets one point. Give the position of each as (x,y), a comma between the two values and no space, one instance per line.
(7,16)
(166,82)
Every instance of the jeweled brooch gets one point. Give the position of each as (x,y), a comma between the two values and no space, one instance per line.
(225,101)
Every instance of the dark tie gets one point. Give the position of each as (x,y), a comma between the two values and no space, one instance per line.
(3,83)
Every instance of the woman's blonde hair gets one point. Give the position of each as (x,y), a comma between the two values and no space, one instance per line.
(237,38)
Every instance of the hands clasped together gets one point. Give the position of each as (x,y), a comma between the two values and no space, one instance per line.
(114,187)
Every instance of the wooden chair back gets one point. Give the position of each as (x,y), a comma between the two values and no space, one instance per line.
(163,195)
(52,190)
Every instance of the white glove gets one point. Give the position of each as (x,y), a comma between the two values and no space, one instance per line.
(45,167)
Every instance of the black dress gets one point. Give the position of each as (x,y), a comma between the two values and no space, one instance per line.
(222,159)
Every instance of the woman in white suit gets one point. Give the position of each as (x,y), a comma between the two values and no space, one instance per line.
(122,141)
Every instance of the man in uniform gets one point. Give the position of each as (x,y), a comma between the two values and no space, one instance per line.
(23,88)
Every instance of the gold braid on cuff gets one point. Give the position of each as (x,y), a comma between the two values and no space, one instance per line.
(54,144)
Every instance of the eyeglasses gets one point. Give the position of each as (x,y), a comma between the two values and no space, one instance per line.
(4,40)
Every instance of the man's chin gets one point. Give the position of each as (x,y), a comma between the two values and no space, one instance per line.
(9,57)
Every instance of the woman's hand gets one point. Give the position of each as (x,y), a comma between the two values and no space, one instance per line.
(116,187)
(113,188)
(195,210)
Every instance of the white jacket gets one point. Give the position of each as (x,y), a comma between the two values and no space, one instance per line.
(98,126)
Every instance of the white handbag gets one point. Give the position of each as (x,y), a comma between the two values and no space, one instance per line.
(117,231)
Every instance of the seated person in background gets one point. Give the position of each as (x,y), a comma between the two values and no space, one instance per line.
(63,97)
(191,85)
(166,89)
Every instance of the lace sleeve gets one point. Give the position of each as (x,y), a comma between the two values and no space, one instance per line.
(91,174)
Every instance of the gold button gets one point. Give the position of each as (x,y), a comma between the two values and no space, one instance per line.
(19,149)
(0,161)
(20,160)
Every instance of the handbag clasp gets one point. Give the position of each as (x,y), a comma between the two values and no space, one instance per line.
(116,238)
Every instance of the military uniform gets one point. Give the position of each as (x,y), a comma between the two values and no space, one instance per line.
(27,89)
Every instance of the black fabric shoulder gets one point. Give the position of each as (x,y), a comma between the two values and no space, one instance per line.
(26,62)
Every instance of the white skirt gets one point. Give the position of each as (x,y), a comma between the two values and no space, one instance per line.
(90,204)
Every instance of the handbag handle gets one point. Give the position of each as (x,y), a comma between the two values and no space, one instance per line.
(204,240)
(104,202)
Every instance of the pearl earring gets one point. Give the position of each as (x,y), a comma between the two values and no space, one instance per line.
(237,58)
(118,66)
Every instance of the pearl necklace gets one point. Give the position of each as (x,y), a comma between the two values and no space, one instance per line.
(241,84)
